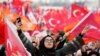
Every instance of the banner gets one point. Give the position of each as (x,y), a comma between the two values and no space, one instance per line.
(88,19)
(2,26)
(13,44)
(78,10)
(56,19)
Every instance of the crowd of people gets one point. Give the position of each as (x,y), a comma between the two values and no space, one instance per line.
(48,46)
(55,44)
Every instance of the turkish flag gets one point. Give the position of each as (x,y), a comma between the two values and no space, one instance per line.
(78,10)
(90,19)
(55,20)
(77,14)
(71,22)
(13,44)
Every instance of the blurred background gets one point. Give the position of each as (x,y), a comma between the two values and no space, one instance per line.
(42,17)
(90,4)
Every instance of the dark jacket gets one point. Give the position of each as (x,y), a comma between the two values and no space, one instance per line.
(28,45)
(61,39)
(93,52)
(84,53)
(61,44)
(68,49)
(2,51)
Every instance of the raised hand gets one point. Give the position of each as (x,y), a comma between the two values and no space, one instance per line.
(18,23)
(86,29)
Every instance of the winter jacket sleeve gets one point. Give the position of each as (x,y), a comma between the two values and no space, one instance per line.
(71,47)
(2,51)
(61,43)
(28,45)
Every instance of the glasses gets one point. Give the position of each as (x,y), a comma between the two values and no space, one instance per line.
(49,40)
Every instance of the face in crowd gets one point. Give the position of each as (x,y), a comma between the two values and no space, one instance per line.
(48,42)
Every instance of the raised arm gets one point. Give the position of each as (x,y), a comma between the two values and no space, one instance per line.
(74,45)
(28,45)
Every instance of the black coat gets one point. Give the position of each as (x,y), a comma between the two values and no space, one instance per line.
(2,51)
(68,49)
(93,52)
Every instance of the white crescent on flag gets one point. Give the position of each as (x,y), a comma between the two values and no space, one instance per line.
(75,11)
(50,22)
(9,45)
(93,27)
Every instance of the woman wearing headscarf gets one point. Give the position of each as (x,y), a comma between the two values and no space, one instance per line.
(47,46)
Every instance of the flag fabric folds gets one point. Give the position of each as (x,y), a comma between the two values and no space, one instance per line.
(13,44)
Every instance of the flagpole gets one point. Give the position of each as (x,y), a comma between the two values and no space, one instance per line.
(84,18)
(23,11)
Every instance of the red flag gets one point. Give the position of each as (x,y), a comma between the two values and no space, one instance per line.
(97,17)
(13,44)
(17,4)
(76,15)
(78,10)
(94,33)
(2,26)
(55,20)
(88,19)
(70,23)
